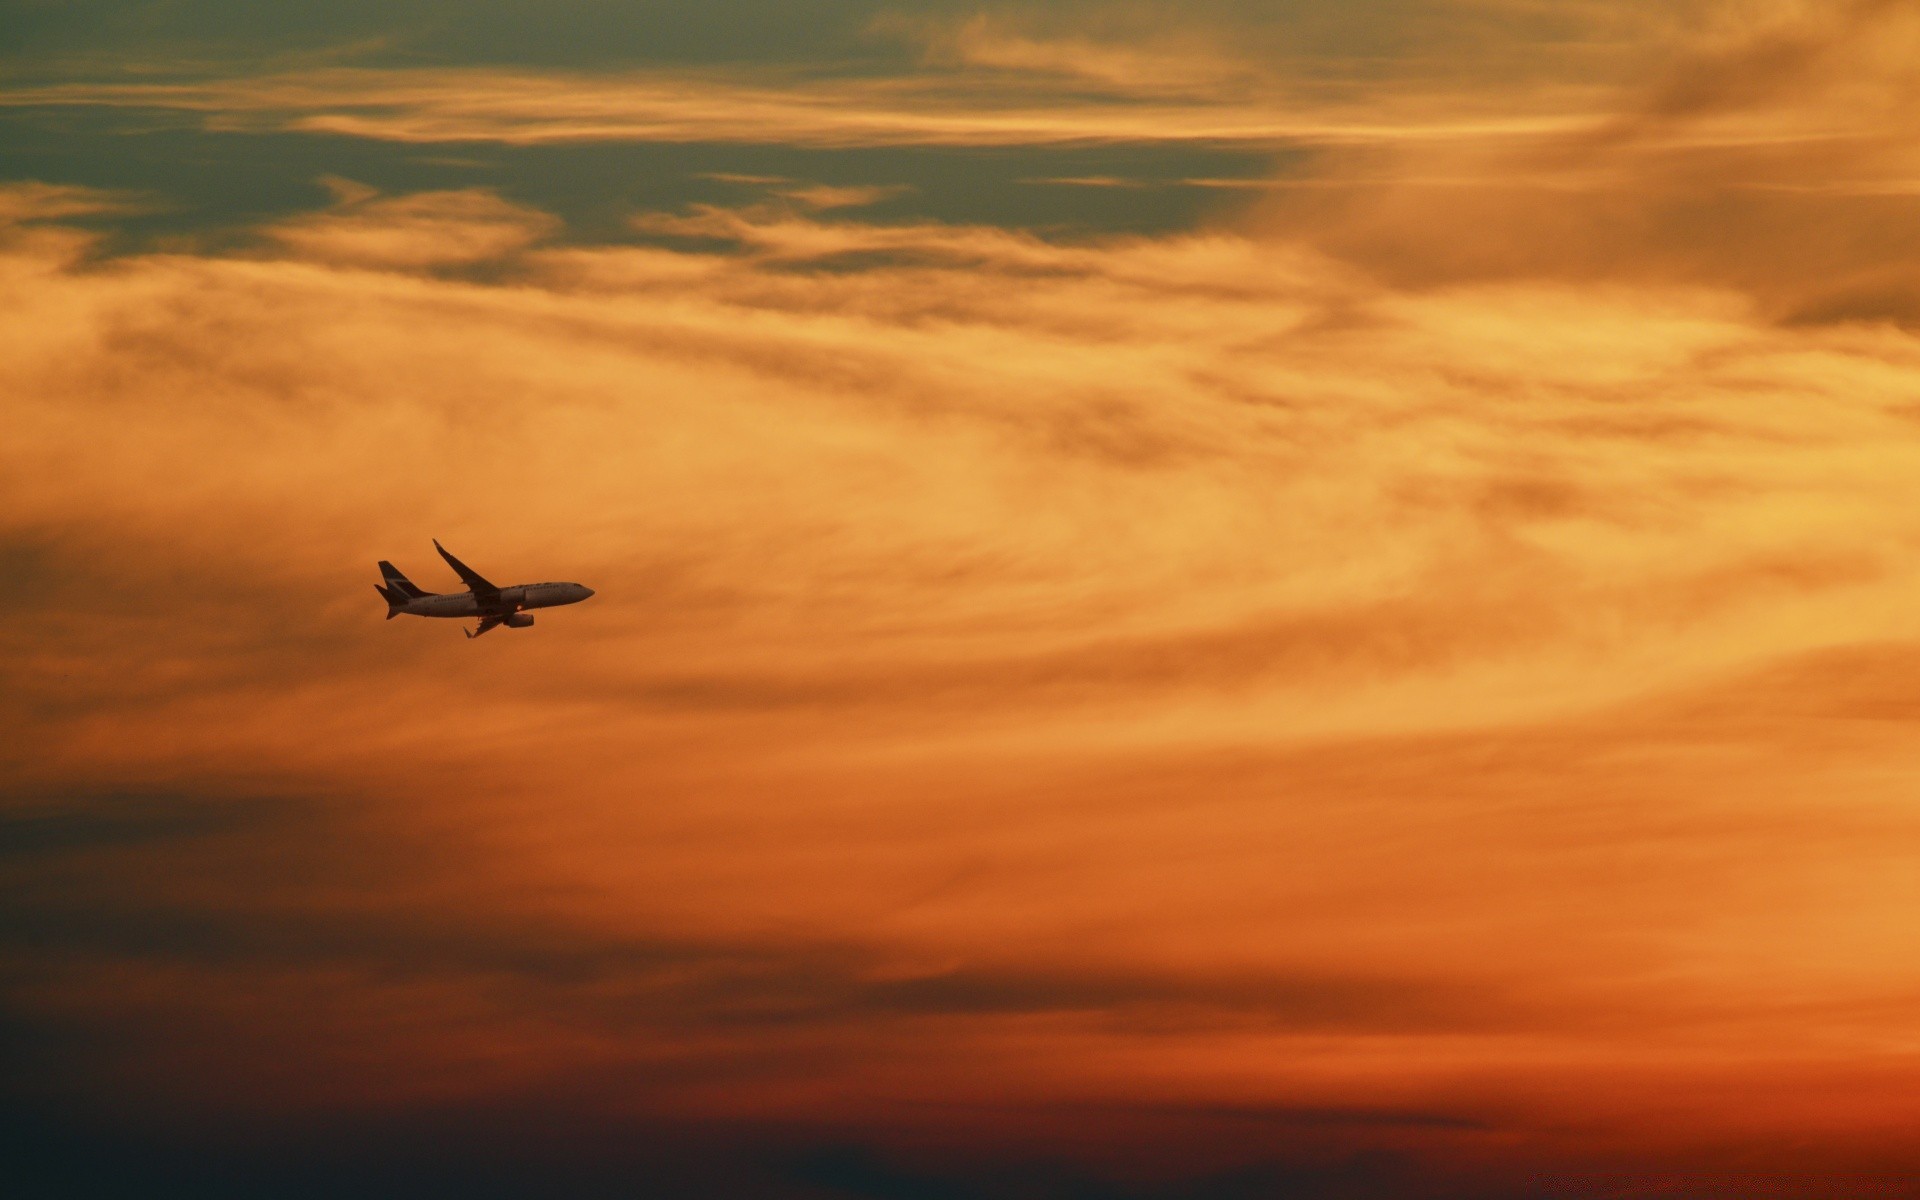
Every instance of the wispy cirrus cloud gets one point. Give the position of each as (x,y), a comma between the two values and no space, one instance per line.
(423,229)
(530,108)
(1131,62)
(1774,157)
(35,201)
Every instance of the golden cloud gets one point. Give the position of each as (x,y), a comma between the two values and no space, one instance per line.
(424,229)
(1439,655)
(529,108)
(1775,158)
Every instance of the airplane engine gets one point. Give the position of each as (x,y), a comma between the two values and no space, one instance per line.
(518,621)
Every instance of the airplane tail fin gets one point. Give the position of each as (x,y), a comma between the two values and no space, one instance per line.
(400,583)
(397,590)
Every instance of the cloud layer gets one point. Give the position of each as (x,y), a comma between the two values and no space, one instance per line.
(1403,692)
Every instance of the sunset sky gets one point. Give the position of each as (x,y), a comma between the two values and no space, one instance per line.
(1225,600)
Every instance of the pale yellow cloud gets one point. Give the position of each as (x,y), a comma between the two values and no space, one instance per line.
(526,108)
(745,180)
(1774,155)
(1093,181)
(829,196)
(1159,63)
(35,201)
(427,228)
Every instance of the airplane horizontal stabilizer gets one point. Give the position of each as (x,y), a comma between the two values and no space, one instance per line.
(395,599)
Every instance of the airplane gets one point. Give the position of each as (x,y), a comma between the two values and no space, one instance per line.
(493,605)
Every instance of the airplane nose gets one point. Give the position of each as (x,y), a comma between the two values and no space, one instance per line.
(586,593)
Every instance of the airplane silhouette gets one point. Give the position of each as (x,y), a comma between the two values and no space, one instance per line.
(493,605)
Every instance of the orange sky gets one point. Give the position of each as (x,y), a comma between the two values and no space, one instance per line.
(1402,688)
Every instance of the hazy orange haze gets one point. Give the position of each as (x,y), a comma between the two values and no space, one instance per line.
(1411,681)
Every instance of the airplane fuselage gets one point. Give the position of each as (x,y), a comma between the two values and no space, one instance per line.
(519,598)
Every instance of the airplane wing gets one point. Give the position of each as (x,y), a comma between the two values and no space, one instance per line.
(486,623)
(472,578)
